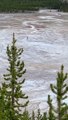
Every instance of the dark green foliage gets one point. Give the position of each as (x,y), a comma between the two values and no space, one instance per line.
(33,116)
(22,5)
(64,6)
(44,116)
(51,115)
(61,90)
(39,116)
(3,105)
(13,83)
(26,115)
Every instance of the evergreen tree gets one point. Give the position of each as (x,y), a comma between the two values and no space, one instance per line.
(13,83)
(4,106)
(26,115)
(44,117)
(39,116)
(61,90)
(65,112)
(3,110)
(33,116)
(51,115)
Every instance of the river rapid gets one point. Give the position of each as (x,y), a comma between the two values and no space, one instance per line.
(44,38)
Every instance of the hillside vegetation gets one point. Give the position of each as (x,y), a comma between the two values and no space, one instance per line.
(22,5)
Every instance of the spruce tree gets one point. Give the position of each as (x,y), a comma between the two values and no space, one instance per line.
(26,115)
(61,90)
(3,110)
(39,116)
(13,83)
(51,115)
(4,106)
(44,116)
(33,116)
